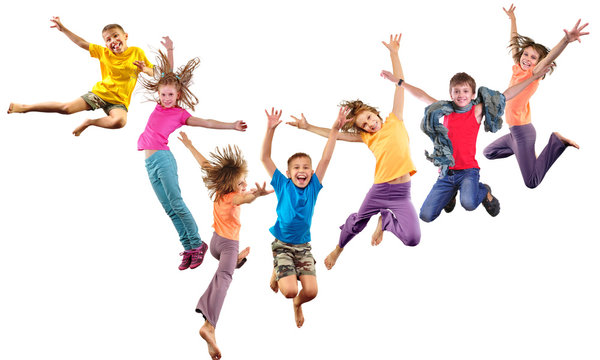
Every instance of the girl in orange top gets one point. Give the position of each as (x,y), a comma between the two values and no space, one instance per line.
(225,177)
(388,141)
(530,58)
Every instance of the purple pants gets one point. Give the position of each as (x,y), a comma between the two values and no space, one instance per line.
(226,251)
(521,143)
(397,212)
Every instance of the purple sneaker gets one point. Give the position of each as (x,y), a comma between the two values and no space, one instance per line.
(198,255)
(187,259)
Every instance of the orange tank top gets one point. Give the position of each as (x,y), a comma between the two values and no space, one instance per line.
(517,109)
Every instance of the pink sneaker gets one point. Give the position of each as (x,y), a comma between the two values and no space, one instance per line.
(198,255)
(187,259)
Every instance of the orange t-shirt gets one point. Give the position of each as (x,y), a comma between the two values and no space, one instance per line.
(517,109)
(227,217)
(390,145)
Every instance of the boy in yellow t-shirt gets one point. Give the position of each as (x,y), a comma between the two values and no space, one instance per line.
(119,65)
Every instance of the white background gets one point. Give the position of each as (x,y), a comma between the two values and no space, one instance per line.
(88,259)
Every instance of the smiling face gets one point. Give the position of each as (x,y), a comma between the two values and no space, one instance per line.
(300,171)
(462,94)
(168,95)
(240,184)
(115,39)
(529,58)
(368,121)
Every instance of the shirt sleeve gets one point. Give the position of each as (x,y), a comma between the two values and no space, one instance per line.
(277,181)
(95,51)
(142,55)
(184,116)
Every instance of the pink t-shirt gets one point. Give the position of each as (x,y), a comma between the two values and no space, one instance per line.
(162,122)
(462,131)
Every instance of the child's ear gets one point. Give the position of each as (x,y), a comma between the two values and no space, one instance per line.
(126,36)
(287,173)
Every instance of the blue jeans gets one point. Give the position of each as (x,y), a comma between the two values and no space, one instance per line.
(162,171)
(472,193)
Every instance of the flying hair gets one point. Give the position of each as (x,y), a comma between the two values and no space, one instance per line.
(227,166)
(519,43)
(356,107)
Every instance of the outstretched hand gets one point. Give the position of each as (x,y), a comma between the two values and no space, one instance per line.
(167,43)
(57,24)
(240,125)
(575,32)
(140,64)
(510,12)
(390,76)
(342,117)
(394,44)
(299,123)
(261,190)
(184,139)
(273,118)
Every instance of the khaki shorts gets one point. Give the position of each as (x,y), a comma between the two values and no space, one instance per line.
(292,259)
(96,102)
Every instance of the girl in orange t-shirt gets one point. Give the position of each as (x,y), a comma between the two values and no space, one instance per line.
(225,177)
(530,58)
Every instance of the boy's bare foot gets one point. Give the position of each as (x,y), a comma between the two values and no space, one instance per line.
(78,130)
(566,141)
(378,234)
(332,257)
(299,317)
(207,331)
(242,257)
(273,283)
(14,108)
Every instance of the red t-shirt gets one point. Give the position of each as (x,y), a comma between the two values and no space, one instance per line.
(462,131)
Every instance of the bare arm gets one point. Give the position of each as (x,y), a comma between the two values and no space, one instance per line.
(301,123)
(197,155)
(331,140)
(514,90)
(513,24)
(215,124)
(265,155)
(248,197)
(574,34)
(168,44)
(413,90)
(74,38)
(393,46)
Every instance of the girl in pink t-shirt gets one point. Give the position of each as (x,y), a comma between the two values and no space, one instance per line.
(225,177)
(171,89)
(530,58)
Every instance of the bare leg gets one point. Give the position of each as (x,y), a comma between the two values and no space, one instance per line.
(207,331)
(71,107)
(273,283)
(332,257)
(243,254)
(567,142)
(116,119)
(378,234)
(308,292)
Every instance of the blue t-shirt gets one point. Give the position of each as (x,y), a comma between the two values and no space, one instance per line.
(295,208)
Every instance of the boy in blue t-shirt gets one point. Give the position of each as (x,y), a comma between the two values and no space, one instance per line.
(296,198)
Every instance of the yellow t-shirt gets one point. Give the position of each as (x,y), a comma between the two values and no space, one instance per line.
(227,217)
(390,145)
(517,109)
(119,75)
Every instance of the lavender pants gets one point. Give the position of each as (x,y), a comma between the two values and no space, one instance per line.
(521,143)
(226,251)
(398,214)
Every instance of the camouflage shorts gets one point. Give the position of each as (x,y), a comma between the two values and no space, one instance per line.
(292,259)
(96,102)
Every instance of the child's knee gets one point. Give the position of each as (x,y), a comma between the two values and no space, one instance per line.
(426,216)
(119,121)
(289,293)
(310,293)
(469,205)
(413,239)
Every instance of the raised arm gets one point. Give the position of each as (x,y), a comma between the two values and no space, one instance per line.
(188,144)
(574,34)
(514,90)
(513,25)
(332,138)
(168,44)
(74,38)
(250,196)
(413,90)
(265,154)
(215,124)
(393,46)
(301,123)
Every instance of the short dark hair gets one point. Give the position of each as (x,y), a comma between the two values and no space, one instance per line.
(297,156)
(113,26)
(462,78)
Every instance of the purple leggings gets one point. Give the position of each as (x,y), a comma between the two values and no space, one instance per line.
(397,212)
(226,251)
(521,143)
